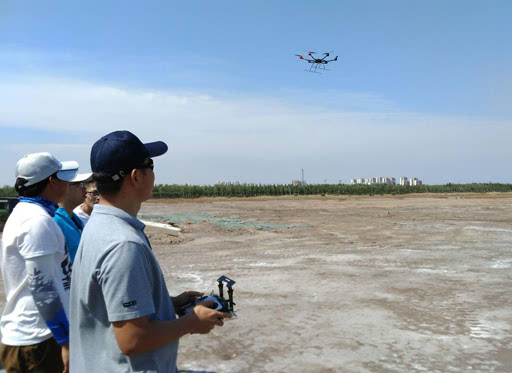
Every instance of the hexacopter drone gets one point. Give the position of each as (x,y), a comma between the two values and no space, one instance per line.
(317,63)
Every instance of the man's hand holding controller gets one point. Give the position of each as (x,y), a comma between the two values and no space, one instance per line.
(203,319)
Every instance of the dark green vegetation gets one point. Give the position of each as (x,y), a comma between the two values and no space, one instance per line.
(7,191)
(195,191)
(6,206)
(4,209)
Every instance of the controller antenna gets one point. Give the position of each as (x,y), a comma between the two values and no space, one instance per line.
(221,288)
(231,303)
(229,284)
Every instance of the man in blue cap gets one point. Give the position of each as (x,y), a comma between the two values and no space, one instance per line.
(122,317)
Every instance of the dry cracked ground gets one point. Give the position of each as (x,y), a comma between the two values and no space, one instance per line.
(417,283)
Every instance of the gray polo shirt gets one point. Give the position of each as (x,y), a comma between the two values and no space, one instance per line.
(116,277)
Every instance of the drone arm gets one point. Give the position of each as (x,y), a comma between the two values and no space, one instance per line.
(324,57)
(304,58)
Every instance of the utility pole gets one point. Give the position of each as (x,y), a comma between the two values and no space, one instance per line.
(302,176)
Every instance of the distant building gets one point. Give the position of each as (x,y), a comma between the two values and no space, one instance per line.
(415,181)
(357,181)
(242,183)
(385,181)
(296,182)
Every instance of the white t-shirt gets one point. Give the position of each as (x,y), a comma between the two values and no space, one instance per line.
(30,232)
(81,214)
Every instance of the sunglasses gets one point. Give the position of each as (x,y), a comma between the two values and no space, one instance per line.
(147,164)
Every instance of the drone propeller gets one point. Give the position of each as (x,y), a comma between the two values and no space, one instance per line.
(298,55)
(310,53)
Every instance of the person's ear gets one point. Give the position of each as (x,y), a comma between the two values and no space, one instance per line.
(135,176)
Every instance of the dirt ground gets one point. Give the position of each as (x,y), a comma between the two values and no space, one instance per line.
(417,283)
(351,284)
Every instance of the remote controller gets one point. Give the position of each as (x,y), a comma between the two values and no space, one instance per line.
(219,303)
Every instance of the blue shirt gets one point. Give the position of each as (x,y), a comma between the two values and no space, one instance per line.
(72,229)
(116,277)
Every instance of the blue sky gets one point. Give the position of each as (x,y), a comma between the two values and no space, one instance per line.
(421,88)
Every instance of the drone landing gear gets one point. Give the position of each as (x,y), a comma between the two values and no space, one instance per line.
(315,67)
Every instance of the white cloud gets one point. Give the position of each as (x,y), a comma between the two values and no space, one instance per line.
(224,136)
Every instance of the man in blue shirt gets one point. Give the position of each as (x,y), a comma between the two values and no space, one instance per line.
(70,224)
(122,317)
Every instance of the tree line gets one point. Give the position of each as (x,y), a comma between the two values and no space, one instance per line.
(196,191)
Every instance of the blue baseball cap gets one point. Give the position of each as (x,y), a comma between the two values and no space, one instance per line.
(120,152)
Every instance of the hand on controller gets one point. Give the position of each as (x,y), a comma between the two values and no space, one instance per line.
(185,298)
(204,318)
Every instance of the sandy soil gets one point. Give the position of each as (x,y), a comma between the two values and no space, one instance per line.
(415,283)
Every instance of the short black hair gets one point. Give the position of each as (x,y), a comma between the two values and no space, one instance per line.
(106,185)
(90,183)
(32,190)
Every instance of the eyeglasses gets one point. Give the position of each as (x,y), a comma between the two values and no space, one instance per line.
(93,193)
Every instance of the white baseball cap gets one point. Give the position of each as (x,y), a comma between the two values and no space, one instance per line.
(82,178)
(36,167)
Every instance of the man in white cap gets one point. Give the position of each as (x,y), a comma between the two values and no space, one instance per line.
(36,270)
(70,224)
